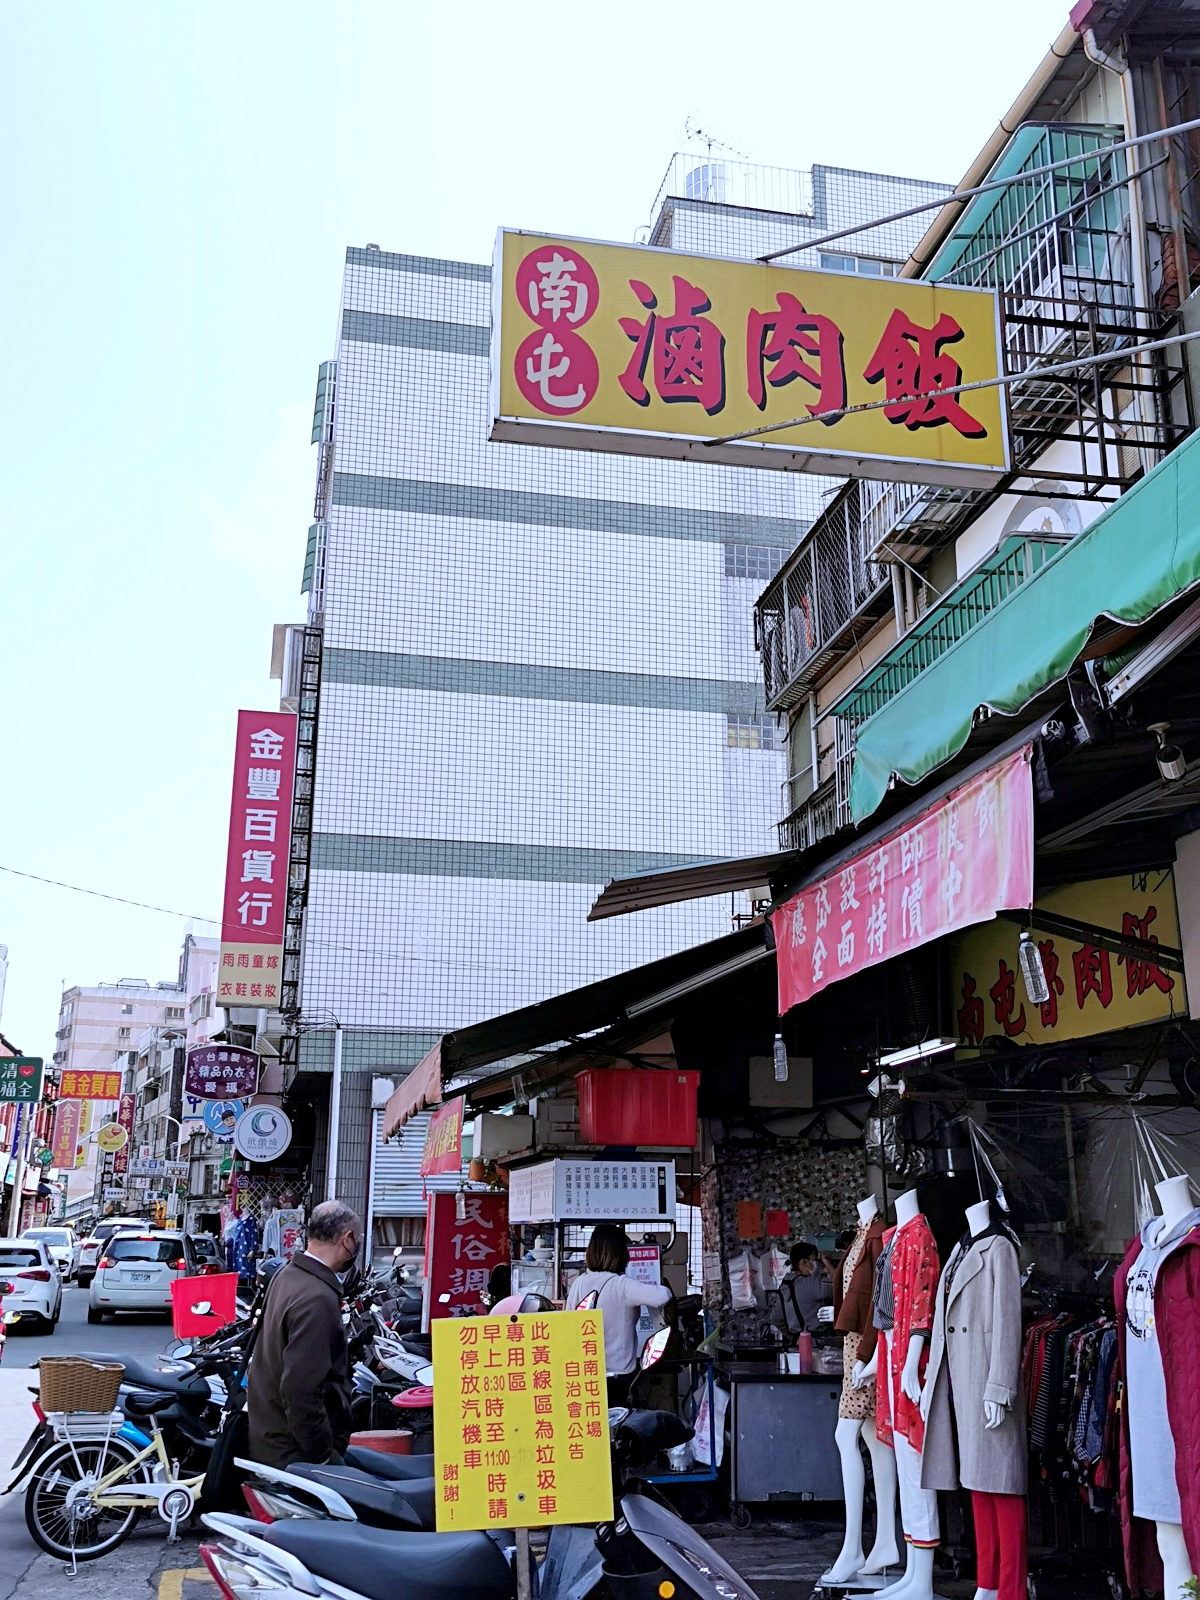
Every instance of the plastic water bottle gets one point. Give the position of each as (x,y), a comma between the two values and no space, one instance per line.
(781,1060)
(804,1347)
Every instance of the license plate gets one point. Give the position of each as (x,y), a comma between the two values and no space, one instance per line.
(138,1277)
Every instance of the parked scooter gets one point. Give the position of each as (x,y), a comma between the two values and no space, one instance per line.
(647,1550)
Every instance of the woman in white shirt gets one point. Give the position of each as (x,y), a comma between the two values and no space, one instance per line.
(620,1299)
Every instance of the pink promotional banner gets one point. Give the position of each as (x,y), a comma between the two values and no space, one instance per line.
(958,863)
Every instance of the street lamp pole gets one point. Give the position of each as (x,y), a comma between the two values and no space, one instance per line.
(335,1115)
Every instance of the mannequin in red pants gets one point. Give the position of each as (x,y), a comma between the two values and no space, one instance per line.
(1001,1544)
(972,1402)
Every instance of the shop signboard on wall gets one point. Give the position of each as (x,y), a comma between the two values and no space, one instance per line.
(221,1118)
(593,1191)
(21,1079)
(643,351)
(220,1072)
(1092,990)
(957,863)
(443,1139)
(66,1134)
(112,1137)
(466,1235)
(262,1133)
(256,867)
(125,1114)
(90,1085)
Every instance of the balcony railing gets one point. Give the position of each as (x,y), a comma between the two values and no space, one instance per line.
(812,607)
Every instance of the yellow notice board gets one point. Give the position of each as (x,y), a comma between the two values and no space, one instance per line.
(1091,990)
(520,1421)
(648,352)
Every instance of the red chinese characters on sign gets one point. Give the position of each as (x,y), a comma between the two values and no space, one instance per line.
(90,1085)
(556,370)
(125,1117)
(466,1235)
(790,339)
(685,350)
(1141,975)
(256,868)
(958,863)
(915,368)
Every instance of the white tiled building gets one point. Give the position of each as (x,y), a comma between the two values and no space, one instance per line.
(539,670)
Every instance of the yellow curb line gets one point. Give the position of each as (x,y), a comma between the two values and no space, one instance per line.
(170,1583)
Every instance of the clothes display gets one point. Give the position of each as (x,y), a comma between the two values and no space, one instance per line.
(918,1505)
(852,1316)
(1069,1375)
(1001,1544)
(975,1357)
(906,1299)
(1174,1305)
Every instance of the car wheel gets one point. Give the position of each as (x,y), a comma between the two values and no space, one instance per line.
(95,1316)
(48,1325)
(85,1283)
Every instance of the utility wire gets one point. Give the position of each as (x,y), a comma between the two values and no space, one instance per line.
(99,895)
(1124,353)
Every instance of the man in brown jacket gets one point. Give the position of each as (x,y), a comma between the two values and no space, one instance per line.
(299,1382)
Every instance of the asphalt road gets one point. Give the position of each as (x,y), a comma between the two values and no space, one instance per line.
(139,1334)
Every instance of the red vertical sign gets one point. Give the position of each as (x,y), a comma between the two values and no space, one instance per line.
(125,1118)
(256,868)
(66,1134)
(466,1235)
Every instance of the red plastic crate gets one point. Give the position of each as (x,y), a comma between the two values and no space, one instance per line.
(622,1106)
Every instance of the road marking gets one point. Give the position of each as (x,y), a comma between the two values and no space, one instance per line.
(171,1582)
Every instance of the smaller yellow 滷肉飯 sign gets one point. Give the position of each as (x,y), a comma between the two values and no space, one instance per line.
(520,1421)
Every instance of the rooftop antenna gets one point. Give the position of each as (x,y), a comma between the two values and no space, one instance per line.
(693,130)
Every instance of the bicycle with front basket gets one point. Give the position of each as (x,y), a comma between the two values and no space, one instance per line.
(89,1489)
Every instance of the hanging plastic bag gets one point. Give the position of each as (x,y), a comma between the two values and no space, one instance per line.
(773,1265)
(741,1281)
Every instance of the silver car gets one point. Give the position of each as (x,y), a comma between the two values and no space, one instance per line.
(62,1244)
(135,1273)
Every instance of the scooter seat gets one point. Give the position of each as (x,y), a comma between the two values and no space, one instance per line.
(380,1564)
(381,1465)
(378,1501)
(191,1386)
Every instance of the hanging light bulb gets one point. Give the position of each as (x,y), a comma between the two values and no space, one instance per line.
(1032,970)
(781,1060)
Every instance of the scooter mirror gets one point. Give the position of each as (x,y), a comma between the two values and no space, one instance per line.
(655,1347)
(589,1301)
(202,1308)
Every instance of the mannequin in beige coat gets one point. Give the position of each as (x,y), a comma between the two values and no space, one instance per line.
(976,1350)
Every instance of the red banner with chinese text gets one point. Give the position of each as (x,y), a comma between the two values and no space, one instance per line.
(90,1085)
(256,868)
(466,1235)
(66,1134)
(958,863)
(443,1139)
(125,1113)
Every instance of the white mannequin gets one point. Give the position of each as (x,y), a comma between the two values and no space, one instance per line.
(851,1563)
(979,1218)
(1175,1198)
(916,1582)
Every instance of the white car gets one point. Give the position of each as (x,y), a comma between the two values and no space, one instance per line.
(37,1287)
(135,1272)
(63,1246)
(90,1249)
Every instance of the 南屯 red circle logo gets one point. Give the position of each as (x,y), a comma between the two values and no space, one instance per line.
(556,370)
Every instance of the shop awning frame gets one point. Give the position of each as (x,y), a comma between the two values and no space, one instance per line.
(1036,635)
(567,1019)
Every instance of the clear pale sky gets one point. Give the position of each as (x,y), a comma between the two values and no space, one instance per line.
(181,184)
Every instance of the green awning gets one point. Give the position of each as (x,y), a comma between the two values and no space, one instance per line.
(1138,556)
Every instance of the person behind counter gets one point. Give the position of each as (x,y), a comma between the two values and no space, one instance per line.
(797,1303)
(620,1299)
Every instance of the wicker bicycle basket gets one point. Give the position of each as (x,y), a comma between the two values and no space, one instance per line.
(72,1383)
